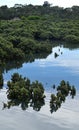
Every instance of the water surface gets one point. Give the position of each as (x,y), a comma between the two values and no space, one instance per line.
(52,70)
(49,71)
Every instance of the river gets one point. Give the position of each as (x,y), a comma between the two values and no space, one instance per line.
(53,69)
(49,71)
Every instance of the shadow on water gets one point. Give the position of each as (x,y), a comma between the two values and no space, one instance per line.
(8,65)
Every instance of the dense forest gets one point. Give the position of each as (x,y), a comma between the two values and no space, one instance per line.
(27,30)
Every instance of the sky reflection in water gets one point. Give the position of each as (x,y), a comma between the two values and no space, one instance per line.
(49,71)
(52,70)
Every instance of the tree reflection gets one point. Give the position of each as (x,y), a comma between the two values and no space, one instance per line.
(24,93)
(30,57)
(21,92)
(63,90)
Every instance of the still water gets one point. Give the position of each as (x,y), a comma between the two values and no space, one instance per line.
(53,69)
(49,71)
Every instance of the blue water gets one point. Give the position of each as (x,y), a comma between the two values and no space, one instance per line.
(51,70)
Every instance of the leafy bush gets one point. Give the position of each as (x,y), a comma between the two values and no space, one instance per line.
(21,91)
(63,90)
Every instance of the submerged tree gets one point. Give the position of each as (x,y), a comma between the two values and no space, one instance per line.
(73,91)
(37,95)
(22,92)
(63,90)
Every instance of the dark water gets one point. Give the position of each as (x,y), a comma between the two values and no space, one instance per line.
(52,70)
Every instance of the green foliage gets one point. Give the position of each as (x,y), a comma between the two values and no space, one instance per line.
(24,93)
(27,45)
(21,91)
(33,17)
(62,92)
(29,30)
(72,38)
(16,77)
(37,96)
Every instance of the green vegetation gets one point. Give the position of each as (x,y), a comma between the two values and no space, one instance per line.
(46,9)
(63,90)
(32,30)
(16,42)
(28,32)
(24,93)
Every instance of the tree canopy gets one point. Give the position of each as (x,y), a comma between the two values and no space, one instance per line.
(26,94)
(28,30)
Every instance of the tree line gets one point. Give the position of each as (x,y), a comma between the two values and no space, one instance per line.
(20,10)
